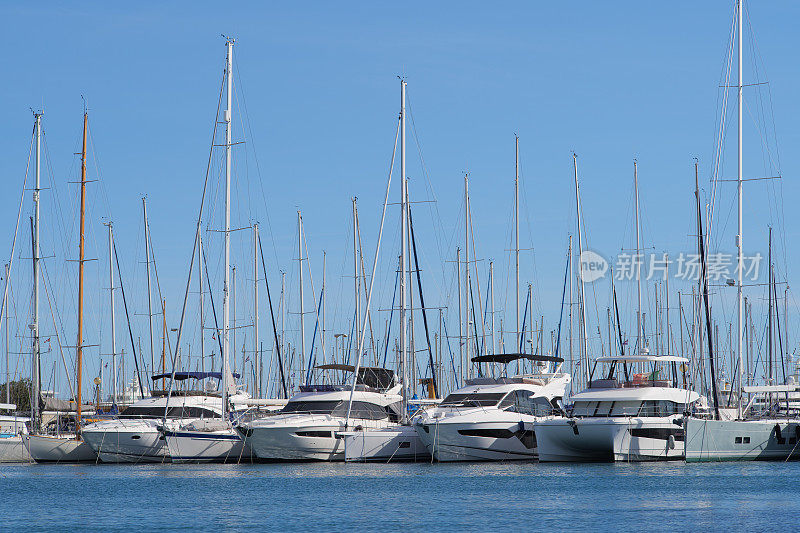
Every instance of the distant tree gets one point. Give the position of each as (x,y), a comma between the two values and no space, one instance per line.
(20,394)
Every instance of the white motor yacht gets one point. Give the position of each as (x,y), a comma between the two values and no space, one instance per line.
(313,425)
(639,419)
(491,419)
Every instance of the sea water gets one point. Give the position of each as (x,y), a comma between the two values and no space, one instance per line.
(432,497)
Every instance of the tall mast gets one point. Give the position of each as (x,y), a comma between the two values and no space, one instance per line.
(8,369)
(739,259)
(227,266)
(36,258)
(491,286)
(200,302)
(516,230)
(113,322)
(79,357)
(149,291)
(460,322)
(403,240)
(571,291)
(324,300)
(300,266)
(256,352)
(466,274)
(639,339)
(356,291)
(585,338)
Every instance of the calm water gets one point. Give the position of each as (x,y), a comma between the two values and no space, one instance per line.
(672,496)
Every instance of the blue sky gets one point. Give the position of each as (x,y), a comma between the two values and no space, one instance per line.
(318,90)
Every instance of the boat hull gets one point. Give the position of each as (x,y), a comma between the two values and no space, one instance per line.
(742,440)
(606,439)
(303,437)
(13,450)
(52,449)
(479,441)
(128,442)
(206,446)
(400,443)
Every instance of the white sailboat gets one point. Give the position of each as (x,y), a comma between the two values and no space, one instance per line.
(70,447)
(776,434)
(210,440)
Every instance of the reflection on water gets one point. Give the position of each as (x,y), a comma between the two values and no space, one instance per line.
(302,496)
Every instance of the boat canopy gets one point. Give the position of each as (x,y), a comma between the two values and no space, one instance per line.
(181,376)
(371,376)
(506,358)
(642,359)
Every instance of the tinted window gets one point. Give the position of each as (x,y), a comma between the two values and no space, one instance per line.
(584,408)
(473,399)
(320,408)
(174,412)
(626,408)
(364,410)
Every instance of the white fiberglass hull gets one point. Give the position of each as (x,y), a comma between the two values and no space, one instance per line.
(127,441)
(301,437)
(609,439)
(401,443)
(61,449)
(478,441)
(193,446)
(13,450)
(742,440)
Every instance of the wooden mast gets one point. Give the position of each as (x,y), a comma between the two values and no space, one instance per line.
(79,365)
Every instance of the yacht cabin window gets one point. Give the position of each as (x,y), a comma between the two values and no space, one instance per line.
(472,399)
(628,408)
(363,410)
(524,402)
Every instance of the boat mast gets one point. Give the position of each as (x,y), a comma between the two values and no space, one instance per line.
(8,370)
(113,322)
(36,258)
(491,286)
(256,351)
(356,291)
(403,240)
(516,230)
(639,339)
(585,338)
(227,266)
(739,259)
(460,323)
(300,266)
(200,282)
(149,291)
(79,358)
(467,292)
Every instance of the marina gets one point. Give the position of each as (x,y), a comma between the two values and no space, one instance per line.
(395,314)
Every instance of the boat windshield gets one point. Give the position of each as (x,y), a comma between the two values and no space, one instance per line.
(628,408)
(365,410)
(472,399)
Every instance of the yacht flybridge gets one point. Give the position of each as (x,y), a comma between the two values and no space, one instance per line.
(314,423)
(492,419)
(637,419)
